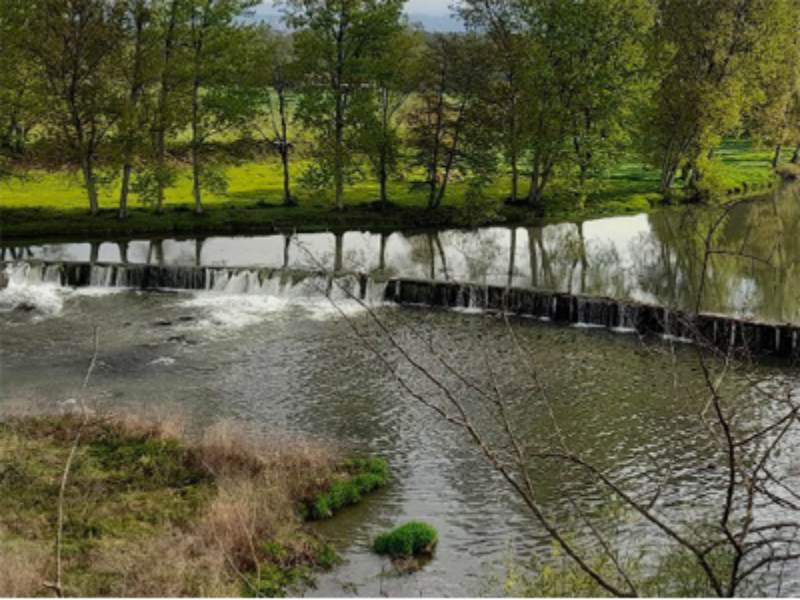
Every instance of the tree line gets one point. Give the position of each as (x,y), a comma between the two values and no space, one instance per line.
(139,91)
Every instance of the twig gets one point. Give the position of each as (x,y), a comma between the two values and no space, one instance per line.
(58,585)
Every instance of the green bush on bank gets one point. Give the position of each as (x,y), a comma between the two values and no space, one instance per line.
(361,476)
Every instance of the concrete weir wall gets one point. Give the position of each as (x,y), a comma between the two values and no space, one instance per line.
(722,332)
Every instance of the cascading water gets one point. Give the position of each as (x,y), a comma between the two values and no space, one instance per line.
(42,286)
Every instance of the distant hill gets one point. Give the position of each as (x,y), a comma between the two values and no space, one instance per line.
(438,23)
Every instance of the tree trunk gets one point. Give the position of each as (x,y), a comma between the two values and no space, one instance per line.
(540,176)
(514,178)
(163,102)
(512,255)
(382,257)
(287,191)
(123,191)
(339,91)
(91,185)
(197,191)
(796,155)
(338,174)
(667,180)
(776,159)
(287,244)
(198,251)
(338,261)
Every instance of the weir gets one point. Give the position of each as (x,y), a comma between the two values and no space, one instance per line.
(719,331)
(278,282)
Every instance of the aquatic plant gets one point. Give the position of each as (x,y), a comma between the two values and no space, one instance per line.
(411,539)
(360,476)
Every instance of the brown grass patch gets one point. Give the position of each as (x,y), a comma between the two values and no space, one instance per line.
(258,483)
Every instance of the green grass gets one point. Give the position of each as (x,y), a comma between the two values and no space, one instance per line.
(122,486)
(358,478)
(47,205)
(409,540)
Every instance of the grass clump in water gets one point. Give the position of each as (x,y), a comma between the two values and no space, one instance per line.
(357,478)
(409,540)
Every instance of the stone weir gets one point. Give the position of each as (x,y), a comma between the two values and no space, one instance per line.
(230,280)
(720,331)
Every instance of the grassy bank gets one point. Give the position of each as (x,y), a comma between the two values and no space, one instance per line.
(150,512)
(48,205)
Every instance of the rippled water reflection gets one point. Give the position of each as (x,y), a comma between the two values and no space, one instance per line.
(654,258)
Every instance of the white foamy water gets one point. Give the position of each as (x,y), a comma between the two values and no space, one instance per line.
(45,299)
(237,311)
(37,289)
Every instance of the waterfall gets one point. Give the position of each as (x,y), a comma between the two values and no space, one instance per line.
(288,284)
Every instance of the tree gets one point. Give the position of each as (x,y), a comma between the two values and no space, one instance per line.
(581,78)
(171,21)
(394,77)
(712,52)
(774,117)
(337,43)
(218,101)
(72,46)
(137,64)
(277,72)
(443,120)
(501,21)
(19,107)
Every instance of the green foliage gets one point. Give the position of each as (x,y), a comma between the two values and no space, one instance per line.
(358,478)
(281,567)
(411,539)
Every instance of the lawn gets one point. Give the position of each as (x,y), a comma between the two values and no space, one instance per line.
(46,204)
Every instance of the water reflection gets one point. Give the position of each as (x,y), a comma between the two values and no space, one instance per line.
(657,258)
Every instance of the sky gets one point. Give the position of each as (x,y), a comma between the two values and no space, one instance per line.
(424,7)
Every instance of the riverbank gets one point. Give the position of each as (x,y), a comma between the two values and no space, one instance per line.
(52,206)
(148,510)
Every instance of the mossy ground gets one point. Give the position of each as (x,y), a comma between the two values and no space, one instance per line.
(134,492)
(47,205)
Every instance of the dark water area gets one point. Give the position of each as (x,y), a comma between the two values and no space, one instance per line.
(286,360)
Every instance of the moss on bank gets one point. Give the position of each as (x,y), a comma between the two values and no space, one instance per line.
(149,511)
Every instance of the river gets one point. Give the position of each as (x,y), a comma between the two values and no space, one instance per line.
(287,361)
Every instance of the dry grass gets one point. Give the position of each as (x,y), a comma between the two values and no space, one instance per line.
(21,569)
(221,552)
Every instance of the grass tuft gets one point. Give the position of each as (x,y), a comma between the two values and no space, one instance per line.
(411,539)
(357,478)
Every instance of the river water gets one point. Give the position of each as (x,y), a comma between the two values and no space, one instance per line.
(295,361)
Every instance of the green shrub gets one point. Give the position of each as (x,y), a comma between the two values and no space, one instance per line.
(360,476)
(411,539)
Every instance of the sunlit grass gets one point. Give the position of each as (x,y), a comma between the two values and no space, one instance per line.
(44,204)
